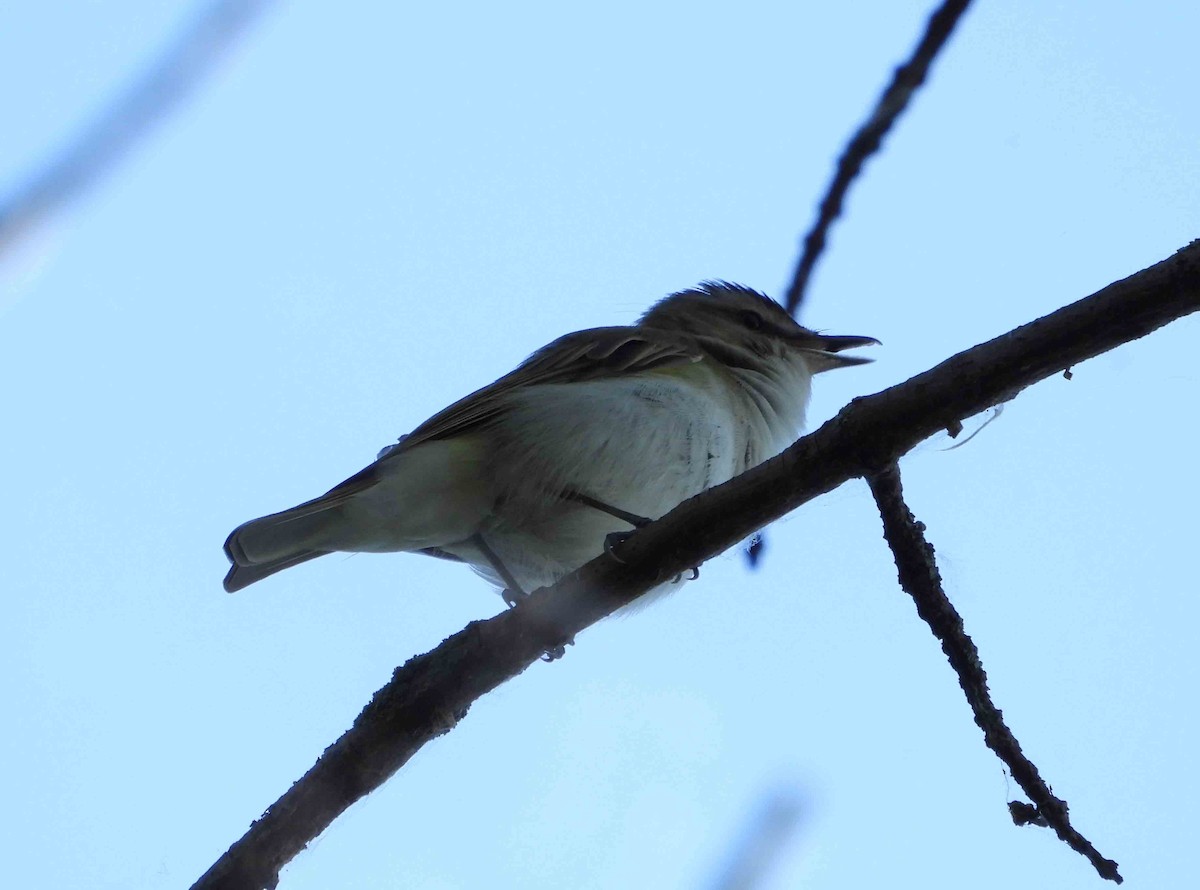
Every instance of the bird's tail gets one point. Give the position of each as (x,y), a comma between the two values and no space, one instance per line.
(264,546)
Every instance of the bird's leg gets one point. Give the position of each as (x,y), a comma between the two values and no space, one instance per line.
(616,538)
(512,592)
(623,515)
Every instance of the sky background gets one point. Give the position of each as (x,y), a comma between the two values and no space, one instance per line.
(372,209)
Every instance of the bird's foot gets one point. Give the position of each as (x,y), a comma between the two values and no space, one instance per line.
(624,515)
(557,652)
(695,573)
(616,539)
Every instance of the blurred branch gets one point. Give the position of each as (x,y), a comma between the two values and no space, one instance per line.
(920,578)
(763,841)
(906,81)
(432,692)
(108,138)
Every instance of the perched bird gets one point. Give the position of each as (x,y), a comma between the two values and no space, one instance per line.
(598,432)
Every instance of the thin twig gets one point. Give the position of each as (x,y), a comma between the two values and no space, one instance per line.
(920,578)
(103,142)
(906,81)
(429,694)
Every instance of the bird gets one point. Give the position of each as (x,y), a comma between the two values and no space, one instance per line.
(597,433)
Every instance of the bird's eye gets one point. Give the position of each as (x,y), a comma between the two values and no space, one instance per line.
(752,320)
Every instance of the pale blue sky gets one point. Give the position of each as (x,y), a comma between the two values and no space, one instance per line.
(372,210)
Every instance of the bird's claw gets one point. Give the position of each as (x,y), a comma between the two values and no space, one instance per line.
(695,573)
(514,595)
(614,540)
(557,652)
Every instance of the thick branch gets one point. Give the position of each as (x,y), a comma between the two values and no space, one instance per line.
(920,578)
(866,141)
(430,693)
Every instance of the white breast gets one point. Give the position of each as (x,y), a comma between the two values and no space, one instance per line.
(642,445)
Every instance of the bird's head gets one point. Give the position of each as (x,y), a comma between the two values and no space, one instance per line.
(744,329)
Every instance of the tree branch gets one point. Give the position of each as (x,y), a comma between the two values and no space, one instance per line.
(432,692)
(920,578)
(866,141)
(117,129)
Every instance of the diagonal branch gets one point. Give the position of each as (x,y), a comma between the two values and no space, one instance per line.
(432,692)
(776,824)
(906,81)
(920,578)
(118,128)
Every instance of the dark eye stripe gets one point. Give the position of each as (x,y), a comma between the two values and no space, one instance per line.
(730,356)
(752,319)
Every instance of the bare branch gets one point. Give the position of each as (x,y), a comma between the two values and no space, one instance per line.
(432,692)
(906,81)
(920,578)
(109,137)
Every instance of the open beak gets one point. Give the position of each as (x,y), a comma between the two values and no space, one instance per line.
(823,351)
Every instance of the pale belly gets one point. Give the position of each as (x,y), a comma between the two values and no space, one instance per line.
(640,446)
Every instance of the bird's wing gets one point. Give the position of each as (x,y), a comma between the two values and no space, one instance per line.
(595,354)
